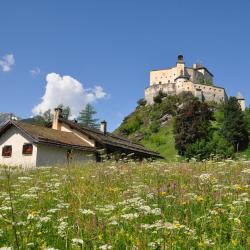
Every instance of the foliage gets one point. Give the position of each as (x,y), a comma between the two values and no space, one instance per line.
(126,206)
(193,125)
(133,124)
(43,119)
(141,102)
(86,117)
(157,99)
(66,112)
(215,148)
(234,127)
(247,119)
(153,126)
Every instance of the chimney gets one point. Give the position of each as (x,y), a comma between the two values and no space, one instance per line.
(103,127)
(57,115)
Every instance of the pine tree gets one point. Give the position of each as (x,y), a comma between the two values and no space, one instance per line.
(86,117)
(234,127)
(193,124)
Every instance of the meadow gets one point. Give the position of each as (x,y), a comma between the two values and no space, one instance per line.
(126,206)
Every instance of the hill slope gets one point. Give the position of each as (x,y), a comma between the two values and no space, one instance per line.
(152,125)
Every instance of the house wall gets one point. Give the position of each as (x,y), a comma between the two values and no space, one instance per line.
(50,155)
(15,138)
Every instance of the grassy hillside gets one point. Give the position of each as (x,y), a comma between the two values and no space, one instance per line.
(126,206)
(152,125)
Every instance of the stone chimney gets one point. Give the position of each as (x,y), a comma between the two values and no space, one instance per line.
(57,115)
(103,127)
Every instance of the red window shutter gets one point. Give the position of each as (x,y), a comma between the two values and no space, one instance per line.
(27,149)
(7,151)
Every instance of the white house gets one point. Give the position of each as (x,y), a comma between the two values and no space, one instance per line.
(29,145)
(65,142)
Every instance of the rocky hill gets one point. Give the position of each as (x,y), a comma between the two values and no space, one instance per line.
(152,125)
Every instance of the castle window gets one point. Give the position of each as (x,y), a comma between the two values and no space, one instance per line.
(159,82)
(27,149)
(7,151)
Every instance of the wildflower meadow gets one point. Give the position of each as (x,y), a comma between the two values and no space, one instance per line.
(126,206)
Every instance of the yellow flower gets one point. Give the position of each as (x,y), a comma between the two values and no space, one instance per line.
(163,193)
(199,198)
(234,242)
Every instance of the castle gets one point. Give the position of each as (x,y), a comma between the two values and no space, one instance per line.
(198,80)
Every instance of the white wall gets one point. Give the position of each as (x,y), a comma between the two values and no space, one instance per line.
(50,155)
(15,138)
(163,76)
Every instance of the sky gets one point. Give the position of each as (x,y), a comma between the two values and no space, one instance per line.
(101,52)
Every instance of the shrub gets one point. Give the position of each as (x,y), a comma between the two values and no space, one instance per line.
(157,99)
(141,102)
(133,124)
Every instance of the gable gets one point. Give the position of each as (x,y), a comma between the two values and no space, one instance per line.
(66,128)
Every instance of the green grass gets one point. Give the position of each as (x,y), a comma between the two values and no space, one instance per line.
(126,206)
(163,142)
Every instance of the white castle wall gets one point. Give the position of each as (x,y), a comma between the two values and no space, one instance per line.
(178,79)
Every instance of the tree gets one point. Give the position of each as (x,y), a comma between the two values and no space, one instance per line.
(247,118)
(86,117)
(66,111)
(193,124)
(47,115)
(234,127)
(141,102)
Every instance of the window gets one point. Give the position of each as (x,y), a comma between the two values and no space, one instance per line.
(27,149)
(7,151)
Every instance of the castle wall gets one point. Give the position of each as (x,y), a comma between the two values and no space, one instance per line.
(163,76)
(203,92)
(212,93)
(152,91)
(180,79)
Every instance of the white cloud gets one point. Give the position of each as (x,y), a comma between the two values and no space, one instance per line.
(7,62)
(68,91)
(35,72)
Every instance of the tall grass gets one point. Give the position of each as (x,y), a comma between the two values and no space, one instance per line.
(126,206)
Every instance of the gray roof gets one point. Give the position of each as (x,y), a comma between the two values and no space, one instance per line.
(111,140)
(43,135)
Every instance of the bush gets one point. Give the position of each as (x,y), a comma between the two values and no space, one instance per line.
(157,99)
(133,124)
(155,126)
(216,147)
(141,102)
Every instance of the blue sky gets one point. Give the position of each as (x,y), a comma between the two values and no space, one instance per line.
(114,45)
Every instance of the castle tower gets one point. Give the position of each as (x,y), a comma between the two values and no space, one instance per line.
(180,65)
(241,101)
